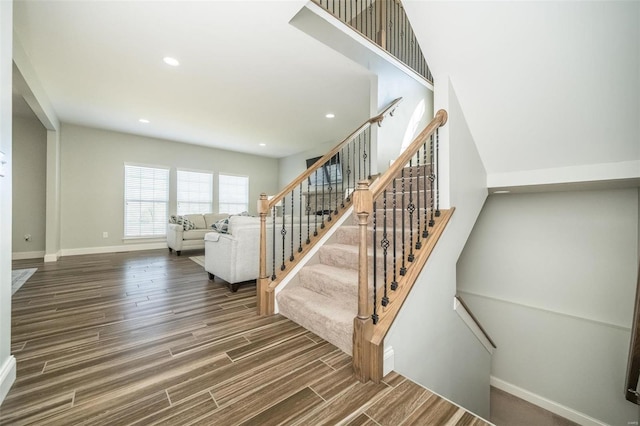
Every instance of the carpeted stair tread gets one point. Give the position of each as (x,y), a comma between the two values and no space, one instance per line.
(329,318)
(330,280)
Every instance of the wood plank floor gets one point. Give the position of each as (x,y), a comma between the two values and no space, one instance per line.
(145,338)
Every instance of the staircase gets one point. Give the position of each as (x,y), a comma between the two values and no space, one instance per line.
(324,297)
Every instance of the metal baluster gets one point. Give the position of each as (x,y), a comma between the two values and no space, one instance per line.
(411,208)
(437,173)
(335,182)
(418,242)
(342,181)
(349,171)
(403,268)
(425,231)
(384,243)
(273,243)
(394,283)
(323,185)
(364,156)
(300,220)
(431,178)
(283,232)
(292,231)
(315,213)
(369,142)
(374,317)
(330,189)
(308,197)
(359,151)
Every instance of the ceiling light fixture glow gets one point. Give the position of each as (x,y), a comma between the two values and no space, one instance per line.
(330,115)
(144,120)
(262,144)
(171,61)
(502,192)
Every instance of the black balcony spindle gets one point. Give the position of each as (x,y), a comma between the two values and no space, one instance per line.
(342,180)
(292,224)
(315,212)
(283,231)
(431,178)
(370,156)
(300,218)
(308,199)
(322,170)
(349,172)
(418,242)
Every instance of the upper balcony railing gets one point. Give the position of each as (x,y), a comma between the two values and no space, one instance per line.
(385,23)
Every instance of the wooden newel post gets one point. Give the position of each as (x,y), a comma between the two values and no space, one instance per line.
(265,305)
(362,325)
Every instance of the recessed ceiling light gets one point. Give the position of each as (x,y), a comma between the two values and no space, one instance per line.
(144,120)
(330,115)
(262,144)
(502,192)
(171,61)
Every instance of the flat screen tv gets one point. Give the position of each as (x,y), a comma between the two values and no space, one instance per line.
(329,174)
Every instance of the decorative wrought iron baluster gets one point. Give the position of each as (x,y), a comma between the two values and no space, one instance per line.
(308,198)
(342,180)
(418,242)
(349,172)
(359,151)
(335,182)
(437,173)
(273,244)
(411,208)
(323,185)
(369,143)
(431,179)
(364,155)
(300,218)
(425,231)
(315,213)
(394,283)
(292,224)
(374,317)
(283,231)
(329,189)
(384,243)
(403,268)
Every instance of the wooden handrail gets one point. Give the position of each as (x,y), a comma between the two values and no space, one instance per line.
(325,158)
(385,180)
(473,317)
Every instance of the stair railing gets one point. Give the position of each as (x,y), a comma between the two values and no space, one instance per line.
(633,364)
(400,215)
(385,23)
(292,221)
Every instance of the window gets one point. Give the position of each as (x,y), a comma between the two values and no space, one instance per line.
(233,194)
(146,199)
(195,192)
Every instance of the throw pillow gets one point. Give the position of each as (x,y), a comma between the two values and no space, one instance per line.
(187,225)
(173,219)
(221,226)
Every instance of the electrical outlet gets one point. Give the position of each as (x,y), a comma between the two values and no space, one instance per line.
(105,234)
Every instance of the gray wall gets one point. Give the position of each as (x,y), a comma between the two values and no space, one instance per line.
(92,181)
(431,343)
(7,362)
(29,184)
(552,277)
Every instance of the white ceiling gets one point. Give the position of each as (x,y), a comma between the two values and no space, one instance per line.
(246,75)
(543,85)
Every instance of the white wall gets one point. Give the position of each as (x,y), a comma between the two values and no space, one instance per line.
(544,85)
(92,178)
(29,189)
(7,362)
(552,277)
(432,345)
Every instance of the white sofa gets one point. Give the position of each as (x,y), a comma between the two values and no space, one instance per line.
(178,239)
(234,256)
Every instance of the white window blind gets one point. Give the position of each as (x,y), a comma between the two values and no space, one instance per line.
(233,194)
(195,192)
(146,199)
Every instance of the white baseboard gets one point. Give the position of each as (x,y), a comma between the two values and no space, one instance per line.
(51,257)
(547,404)
(7,376)
(114,249)
(20,255)
(387,361)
